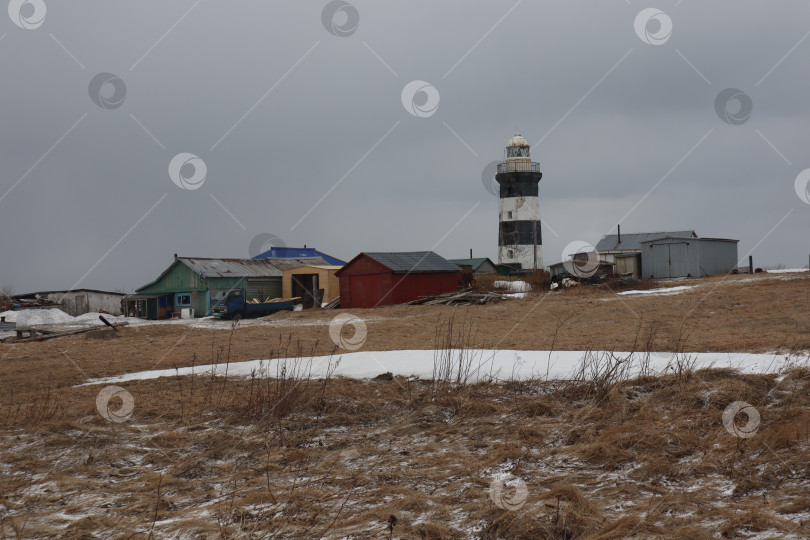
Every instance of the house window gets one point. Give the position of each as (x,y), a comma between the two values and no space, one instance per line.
(183,299)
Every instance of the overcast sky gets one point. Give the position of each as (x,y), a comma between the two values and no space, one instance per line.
(304,135)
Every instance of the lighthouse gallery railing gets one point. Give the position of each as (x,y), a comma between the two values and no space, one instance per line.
(518,166)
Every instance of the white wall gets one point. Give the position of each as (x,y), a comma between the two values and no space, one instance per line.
(521,208)
(107,302)
(521,254)
(88,301)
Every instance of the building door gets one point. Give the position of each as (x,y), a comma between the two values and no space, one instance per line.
(670,260)
(679,260)
(306,286)
(152,309)
(78,306)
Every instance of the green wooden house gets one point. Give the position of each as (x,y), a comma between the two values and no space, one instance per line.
(188,283)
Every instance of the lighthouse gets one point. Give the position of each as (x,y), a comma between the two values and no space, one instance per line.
(520,243)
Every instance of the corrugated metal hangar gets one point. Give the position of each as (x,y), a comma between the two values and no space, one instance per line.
(680,257)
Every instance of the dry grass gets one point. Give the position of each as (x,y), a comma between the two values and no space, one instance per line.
(200,458)
(540,280)
(287,456)
(742,313)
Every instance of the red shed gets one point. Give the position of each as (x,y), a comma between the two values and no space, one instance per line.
(379,279)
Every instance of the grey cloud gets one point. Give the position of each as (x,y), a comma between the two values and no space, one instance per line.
(326,113)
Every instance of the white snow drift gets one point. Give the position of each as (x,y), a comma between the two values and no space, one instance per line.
(485,364)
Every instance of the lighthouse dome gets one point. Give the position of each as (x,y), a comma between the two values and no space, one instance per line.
(518,140)
(517,149)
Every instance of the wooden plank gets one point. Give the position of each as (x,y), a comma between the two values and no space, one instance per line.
(46,337)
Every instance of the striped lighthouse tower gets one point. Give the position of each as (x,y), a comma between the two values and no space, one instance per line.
(519,240)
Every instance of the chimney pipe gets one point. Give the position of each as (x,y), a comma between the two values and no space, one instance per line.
(471,253)
(620,233)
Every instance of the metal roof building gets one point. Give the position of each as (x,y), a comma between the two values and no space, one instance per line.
(381,278)
(623,251)
(188,282)
(662,255)
(686,256)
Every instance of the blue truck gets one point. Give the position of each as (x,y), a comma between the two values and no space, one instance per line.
(232,304)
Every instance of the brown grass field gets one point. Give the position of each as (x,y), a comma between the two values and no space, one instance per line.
(290,457)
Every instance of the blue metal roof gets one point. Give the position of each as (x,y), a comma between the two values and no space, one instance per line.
(295,253)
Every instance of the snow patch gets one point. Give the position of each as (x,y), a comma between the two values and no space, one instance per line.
(486,364)
(513,286)
(666,291)
(27,318)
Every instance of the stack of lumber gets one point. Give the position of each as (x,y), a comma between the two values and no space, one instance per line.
(459,298)
(333,304)
(271,300)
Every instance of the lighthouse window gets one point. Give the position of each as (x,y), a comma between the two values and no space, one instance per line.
(517,151)
(509,214)
(510,253)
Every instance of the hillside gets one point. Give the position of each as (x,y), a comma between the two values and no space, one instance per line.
(602,454)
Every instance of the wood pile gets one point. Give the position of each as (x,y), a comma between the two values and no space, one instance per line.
(334,304)
(459,298)
(273,300)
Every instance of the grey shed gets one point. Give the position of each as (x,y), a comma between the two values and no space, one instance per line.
(680,257)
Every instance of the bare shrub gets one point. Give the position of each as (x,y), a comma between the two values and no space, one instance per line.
(5,299)
(486,282)
(601,371)
(284,384)
(540,280)
(456,360)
